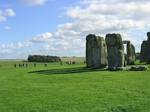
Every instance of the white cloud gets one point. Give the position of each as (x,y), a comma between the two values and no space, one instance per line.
(9,12)
(7,28)
(2,18)
(95,16)
(34,2)
(9,48)
(4,14)
(106,17)
(103,16)
(99,17)
(42,37)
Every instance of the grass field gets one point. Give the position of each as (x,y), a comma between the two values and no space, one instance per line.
(72,88)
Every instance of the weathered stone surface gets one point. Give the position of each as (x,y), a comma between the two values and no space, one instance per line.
(96,51)
(148,35)
(125,60)
(115,48)
(125,41)
(145,50)
(130,54)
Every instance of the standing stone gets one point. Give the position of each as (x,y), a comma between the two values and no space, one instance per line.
(125,59)
(115,50)
(148,35)
(96,52)
(130,53)
(145,50)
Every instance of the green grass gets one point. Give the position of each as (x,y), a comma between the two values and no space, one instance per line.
(72,88)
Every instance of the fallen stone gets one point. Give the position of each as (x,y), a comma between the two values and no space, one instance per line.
(139,68)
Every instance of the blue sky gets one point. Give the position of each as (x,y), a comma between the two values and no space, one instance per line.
(31,20)
(59,27)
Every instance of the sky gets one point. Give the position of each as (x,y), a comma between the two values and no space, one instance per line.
(59,27)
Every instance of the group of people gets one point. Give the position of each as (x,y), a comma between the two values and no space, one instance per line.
(70,62)
(21,65)
(45,64)
(73,62)
(26,65)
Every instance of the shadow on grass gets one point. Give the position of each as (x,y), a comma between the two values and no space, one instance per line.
(66,71)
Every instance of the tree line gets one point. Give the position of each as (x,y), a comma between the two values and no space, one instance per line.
(43,58)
